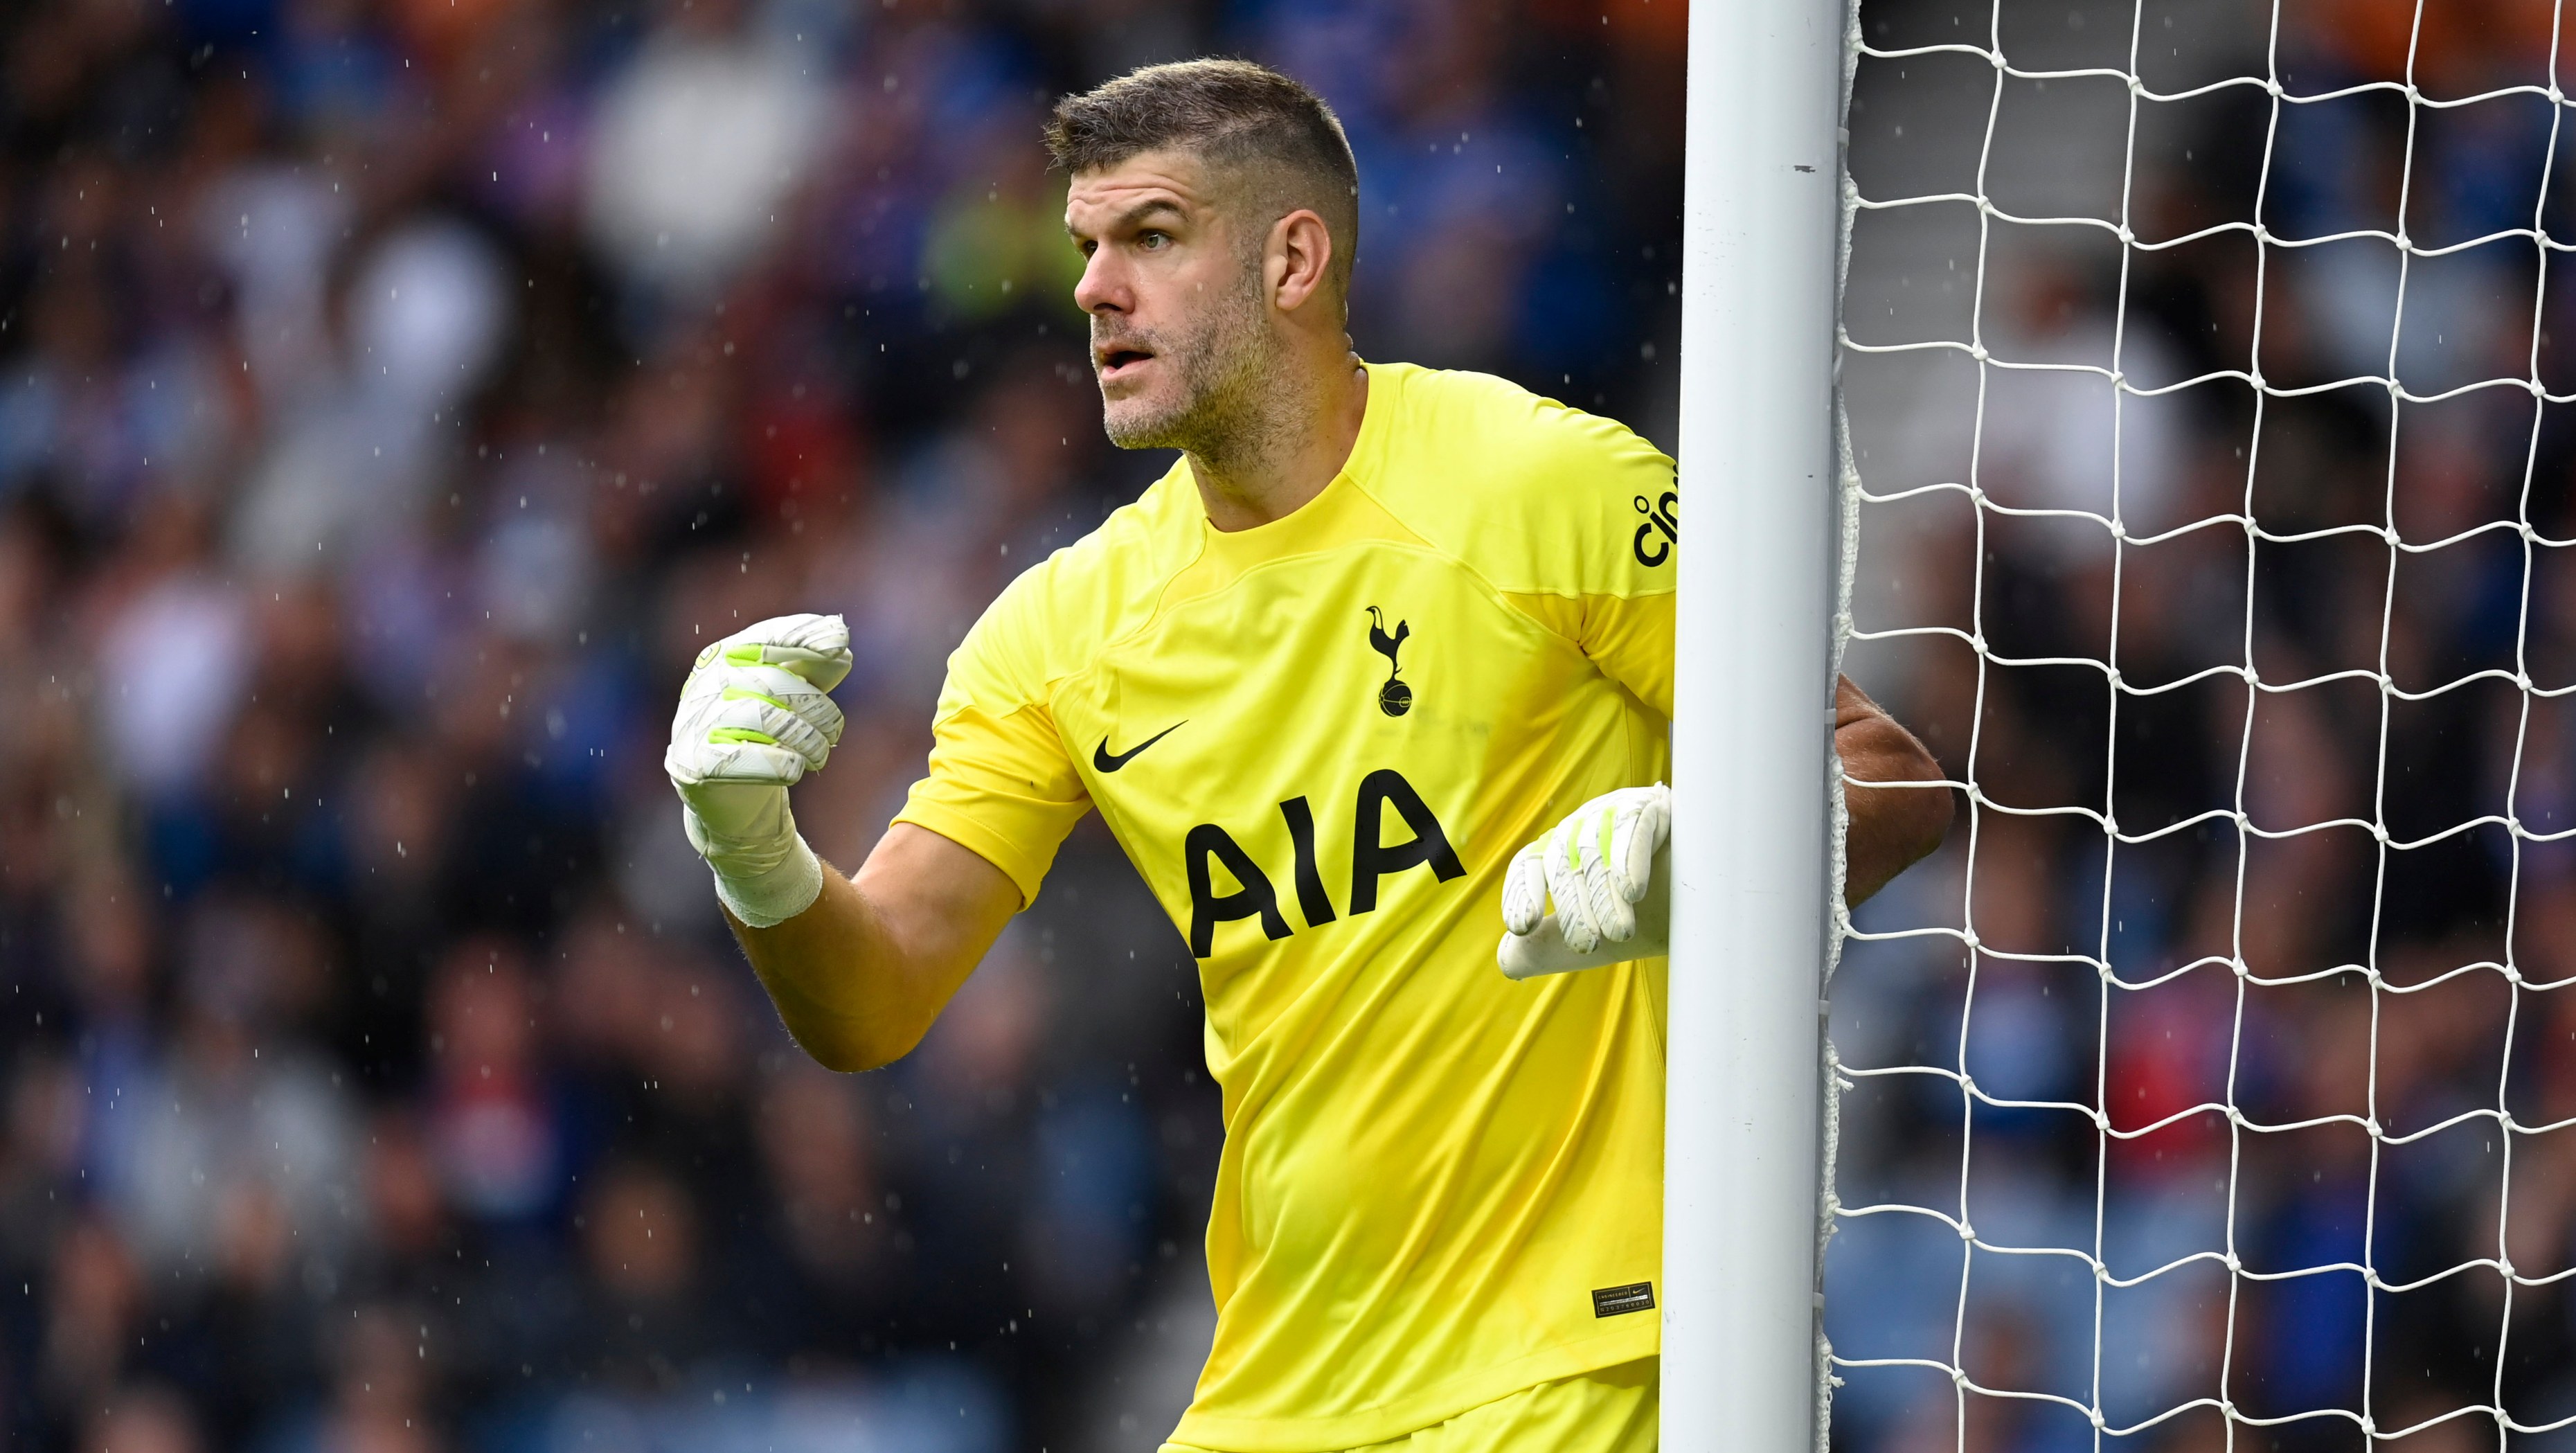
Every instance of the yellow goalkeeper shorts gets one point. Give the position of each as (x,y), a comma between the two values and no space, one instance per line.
(1610,1411)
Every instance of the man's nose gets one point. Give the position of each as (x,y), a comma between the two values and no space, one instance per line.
(1101,287)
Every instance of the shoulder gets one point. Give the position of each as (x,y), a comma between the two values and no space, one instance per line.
(1054,618)
(1496,422)
(1535,493)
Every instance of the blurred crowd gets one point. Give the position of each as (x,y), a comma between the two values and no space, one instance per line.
(2394,982)
(394,396)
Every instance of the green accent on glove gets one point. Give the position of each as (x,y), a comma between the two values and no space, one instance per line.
(741,734)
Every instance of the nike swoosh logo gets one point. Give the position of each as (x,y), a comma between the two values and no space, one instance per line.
(1103,760)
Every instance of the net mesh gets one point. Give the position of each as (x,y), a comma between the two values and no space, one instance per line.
(2204,510)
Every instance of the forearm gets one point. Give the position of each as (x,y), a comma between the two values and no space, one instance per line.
(1890,827)
(859,976)
(838,986)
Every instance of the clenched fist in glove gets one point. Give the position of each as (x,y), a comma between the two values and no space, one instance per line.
(1602,867)
(753,719)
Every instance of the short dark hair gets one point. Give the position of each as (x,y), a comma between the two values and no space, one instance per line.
(1235,115)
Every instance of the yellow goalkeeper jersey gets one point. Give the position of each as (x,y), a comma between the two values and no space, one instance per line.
(1321,739)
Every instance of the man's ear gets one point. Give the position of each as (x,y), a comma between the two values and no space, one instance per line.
(1298,260)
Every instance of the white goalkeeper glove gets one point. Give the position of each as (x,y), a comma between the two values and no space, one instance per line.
(1604,869)
(753,719)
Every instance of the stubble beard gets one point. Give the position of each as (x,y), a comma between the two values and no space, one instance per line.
(1230,389)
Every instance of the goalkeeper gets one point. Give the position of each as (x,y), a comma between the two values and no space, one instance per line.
(1379,628)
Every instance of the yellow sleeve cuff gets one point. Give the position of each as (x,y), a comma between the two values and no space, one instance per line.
(1026,870)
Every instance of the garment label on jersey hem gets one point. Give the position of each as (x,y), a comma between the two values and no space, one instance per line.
(1615,1301)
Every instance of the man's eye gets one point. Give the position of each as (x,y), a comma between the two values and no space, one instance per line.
(1153,241)
(1088,246)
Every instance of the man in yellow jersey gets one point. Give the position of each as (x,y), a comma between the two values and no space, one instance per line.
(1378,628)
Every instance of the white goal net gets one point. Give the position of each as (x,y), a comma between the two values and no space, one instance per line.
(2207,512)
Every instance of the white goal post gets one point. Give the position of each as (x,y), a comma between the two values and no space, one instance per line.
(1753,703)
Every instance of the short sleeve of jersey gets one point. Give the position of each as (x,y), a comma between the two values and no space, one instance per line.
(1000,783)
(1574,518)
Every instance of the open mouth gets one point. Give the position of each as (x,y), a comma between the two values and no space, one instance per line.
(1117,362)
